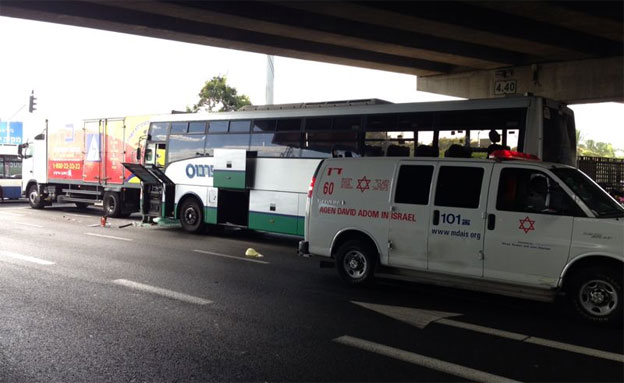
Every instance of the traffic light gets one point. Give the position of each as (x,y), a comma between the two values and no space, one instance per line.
(33,102)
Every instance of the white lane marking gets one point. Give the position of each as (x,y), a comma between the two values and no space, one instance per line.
(11,214)
(421,360)
(231,257)
(26,258)
(79,215)
(483,329)
(422,318)
(578,349)
(535,340)
(109,236)
(162,292)
(27,224)
(16,208)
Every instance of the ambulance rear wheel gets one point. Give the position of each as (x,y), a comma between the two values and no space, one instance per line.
(596,295)
(355,261)
(191,216)
(112,204)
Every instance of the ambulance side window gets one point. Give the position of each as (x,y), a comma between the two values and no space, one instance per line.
(532,191)
(413,184)
(459,186)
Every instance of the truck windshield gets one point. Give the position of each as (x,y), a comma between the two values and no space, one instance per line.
(600,203)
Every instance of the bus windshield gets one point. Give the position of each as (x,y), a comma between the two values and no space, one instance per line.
(600,203)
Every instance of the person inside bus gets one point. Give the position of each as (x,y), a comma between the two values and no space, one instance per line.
(458,151)
(427,151)
(495,138)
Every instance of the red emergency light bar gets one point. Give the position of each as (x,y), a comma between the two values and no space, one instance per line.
(311,188)
(512,155)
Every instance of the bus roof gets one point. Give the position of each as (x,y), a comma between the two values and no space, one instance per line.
(357,109)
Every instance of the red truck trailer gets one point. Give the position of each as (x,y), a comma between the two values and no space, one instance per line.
(81,162)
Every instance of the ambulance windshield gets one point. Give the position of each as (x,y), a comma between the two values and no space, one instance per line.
(594,197)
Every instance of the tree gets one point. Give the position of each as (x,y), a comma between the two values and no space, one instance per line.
(217,94)
(598,149)
(592,148)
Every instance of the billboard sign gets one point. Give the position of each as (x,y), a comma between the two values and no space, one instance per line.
(11,133)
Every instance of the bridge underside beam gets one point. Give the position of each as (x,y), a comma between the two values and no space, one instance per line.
(584,81)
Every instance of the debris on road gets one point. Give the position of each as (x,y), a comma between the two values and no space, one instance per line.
(253,253)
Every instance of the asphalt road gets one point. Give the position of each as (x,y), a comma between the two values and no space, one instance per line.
(81,302)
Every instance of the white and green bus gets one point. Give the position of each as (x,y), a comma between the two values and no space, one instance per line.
(252,168)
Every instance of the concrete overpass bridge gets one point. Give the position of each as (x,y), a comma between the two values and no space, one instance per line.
(565,50)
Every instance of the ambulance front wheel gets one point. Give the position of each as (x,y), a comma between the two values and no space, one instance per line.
(355,261)
(596,295)
(191,216)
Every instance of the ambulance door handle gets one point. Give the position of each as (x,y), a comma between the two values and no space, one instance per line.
(436,217)
(491,223)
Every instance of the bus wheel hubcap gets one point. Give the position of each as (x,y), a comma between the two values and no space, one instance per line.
(598,297)
(190,216)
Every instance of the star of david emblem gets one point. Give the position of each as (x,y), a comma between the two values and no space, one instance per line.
(363,184)
(527,225)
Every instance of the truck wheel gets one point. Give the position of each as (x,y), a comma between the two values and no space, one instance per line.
(355,261)
(191,216)
(112,205)
(596,295)
(34,199)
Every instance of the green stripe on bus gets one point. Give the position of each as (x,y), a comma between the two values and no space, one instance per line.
(229,179)
(210,214)
(276,223)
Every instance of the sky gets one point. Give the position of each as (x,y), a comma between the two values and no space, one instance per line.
(80,73)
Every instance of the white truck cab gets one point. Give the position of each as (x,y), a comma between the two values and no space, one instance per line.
(517,227)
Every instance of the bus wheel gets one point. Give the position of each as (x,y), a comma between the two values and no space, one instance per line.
(34,199)
(191,216)
(355,261)
(112,205)
(596,295)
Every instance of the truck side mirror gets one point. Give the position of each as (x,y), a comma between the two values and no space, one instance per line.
(148,156)
(138,154)
(22,151)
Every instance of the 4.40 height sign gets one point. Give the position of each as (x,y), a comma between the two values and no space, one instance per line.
(505,87)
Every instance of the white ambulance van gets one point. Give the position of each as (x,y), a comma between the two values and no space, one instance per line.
(510,225)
